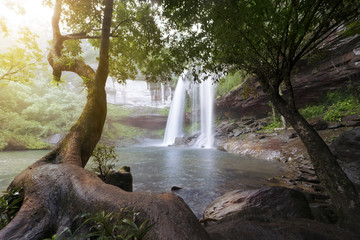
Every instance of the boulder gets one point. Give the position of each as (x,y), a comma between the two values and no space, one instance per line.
(347,149)
(318,124)
(347,146)
(267,229)
(276,202)
(121,178)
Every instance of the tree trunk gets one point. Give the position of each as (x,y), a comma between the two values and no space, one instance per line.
(342,191)
(57,188)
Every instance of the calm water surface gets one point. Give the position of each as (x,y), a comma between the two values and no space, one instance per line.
(203,174)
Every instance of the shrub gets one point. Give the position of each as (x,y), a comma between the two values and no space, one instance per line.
(10,204)
(230,82)
(109,226)
(103,158)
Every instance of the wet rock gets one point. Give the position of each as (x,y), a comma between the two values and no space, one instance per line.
(255,228)
(276,202)
(318,124)
(293,135)
(352,123)
(347,149)
(179,141)
(237,132)
(249,122)
(121,178)
(175,188)
(335,125)
(54,139)
(347,146)
(324,213)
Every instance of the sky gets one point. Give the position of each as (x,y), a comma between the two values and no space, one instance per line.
(37,17)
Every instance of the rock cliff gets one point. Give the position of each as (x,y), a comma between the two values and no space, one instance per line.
(340,64)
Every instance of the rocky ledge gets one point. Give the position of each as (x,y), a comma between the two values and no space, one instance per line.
(246,137)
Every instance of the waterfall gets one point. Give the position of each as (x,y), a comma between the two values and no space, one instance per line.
(202,112)
(174,125)
(206,138)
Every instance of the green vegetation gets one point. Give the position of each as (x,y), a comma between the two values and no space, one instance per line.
(103,158)
(31,113)
(10,204)
(230,82)
(333,108)
(275,123)
(107,226)
(337,105)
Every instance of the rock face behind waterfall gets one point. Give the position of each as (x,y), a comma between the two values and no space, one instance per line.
(341,65)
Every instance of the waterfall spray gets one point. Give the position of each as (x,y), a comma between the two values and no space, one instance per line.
(174,125)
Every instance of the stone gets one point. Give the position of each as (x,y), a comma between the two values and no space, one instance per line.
(318,124)
(277,202)
(179,141)
(237,132)
(335,125)
(347,146)
(175,188)
(293,135)
(121,178)
(256,228)
(308,82)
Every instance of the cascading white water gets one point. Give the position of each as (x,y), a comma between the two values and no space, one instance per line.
(174,125)
(206,137)
(202,104)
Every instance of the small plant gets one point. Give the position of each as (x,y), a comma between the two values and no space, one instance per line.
(10,204)
(103,159)
(109,226)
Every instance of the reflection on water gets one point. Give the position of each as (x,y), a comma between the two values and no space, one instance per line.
(203,174)
(12,163)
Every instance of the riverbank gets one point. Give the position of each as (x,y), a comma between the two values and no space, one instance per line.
(248,137)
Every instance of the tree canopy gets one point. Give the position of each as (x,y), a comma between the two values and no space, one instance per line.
(267,38)
(262,37)
(137,43)
(18,62)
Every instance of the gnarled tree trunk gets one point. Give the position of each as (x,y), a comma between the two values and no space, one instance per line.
(343,193)
(57,187)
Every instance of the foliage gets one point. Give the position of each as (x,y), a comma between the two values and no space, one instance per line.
(137,42)
(103,158)
(265,37)
(315,111)
(10,204)
(20,61)
(274,123)
(101,226)
(31,113)
(337,105)
(230,82)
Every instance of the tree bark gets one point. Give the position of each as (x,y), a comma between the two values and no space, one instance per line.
(57,188)
(343,193)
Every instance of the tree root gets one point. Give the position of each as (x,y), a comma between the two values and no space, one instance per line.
(54,194)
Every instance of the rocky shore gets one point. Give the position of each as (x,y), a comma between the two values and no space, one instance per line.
(295,206)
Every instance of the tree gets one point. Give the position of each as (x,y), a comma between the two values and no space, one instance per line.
(19,62)
(268,38)
(57,188)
